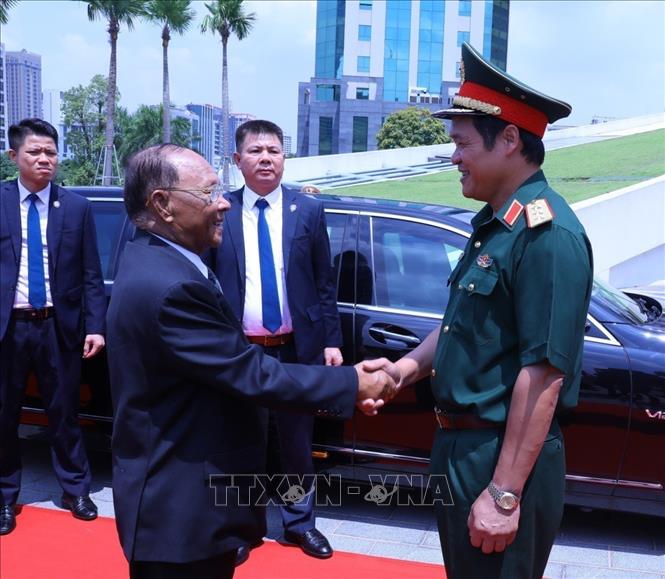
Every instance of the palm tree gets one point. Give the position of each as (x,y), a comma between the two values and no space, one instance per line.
(176,16)
(5,5)
(227,17)
(116,12)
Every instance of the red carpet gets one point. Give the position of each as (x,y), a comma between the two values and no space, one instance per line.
(49,544)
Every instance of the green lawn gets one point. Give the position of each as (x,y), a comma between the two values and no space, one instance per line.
(576,172)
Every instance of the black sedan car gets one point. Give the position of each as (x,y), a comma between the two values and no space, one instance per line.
(392,260)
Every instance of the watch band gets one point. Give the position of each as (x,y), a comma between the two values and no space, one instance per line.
(504,499)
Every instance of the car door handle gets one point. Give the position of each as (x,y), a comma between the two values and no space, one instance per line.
(381,335)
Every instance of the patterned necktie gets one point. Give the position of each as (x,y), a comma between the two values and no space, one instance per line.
(36,282)
(272,316)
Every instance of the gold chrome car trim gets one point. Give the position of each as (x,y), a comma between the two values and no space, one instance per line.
(614,482)
(371,453)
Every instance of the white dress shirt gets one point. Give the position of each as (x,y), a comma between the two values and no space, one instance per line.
(252,321)
(21,296)
(190,255)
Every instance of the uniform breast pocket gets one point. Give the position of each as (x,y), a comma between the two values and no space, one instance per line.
(479,285)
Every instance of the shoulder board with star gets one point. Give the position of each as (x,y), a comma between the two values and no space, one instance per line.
(538,212)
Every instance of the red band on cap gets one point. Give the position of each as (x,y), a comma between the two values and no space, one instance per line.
(512,110)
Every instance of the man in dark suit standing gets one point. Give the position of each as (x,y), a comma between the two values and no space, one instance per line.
(185,382)
(52,306)
(274,267)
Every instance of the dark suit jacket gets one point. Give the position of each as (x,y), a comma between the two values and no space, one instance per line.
(309,277)
(185,382)
(77,285)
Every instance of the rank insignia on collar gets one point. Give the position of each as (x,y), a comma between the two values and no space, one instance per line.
(513,213)
(484,260)
(538,212)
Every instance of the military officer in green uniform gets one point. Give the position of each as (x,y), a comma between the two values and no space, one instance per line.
(507,357)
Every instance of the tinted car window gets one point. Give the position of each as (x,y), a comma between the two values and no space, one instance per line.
(413,262)
(109,216)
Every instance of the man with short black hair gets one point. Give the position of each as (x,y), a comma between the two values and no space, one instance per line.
(506,359)
(52,306)
(275,268)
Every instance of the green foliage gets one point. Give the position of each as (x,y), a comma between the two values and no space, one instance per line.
(227,17)
(8,170)
(5,5)
(73,172)
(175,15)
(411,127)
(144,128)
(84,114)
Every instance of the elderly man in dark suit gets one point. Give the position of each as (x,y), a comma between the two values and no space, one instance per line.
(52,307)
(292,278)
(185,382)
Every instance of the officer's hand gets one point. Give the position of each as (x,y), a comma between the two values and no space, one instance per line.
(92,345)
(389,368)
(490,528)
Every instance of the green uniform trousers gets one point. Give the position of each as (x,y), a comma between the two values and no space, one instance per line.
(468,459)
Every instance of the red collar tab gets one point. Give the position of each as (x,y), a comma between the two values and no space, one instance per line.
(513,213)
(510,109)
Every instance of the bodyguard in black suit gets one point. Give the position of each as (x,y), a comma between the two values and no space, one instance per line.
(307,327)
(52,307)
(185,382)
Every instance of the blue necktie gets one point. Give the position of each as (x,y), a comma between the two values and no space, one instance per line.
(36,283)
(272,315)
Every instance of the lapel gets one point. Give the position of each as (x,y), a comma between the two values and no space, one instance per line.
(56,213)
(233,228)
(11,213)
(290,212)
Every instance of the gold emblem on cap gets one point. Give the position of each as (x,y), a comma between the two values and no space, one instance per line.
(476,105)
(538,212)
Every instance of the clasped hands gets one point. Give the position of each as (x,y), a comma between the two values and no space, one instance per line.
(378,381)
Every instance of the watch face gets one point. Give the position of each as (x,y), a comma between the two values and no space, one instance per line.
(507,501)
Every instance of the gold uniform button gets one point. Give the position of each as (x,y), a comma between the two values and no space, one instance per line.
(460,286)
(477,244)
(433,372)
(446,329)
(472,286)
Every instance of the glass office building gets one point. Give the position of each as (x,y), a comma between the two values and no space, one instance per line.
(374,57)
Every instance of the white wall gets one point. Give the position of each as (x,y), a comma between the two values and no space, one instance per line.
(627,232)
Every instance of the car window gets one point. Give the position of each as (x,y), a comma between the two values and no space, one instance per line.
(413,261)
(109,218)
(341,232)
(618,302)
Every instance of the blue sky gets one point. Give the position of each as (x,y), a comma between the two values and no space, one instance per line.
(605,58)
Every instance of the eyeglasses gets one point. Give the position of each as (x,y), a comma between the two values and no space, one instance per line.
(212,193)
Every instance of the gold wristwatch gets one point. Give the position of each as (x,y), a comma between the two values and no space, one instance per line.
(504,499)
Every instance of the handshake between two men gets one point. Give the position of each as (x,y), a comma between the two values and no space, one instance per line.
(378,382)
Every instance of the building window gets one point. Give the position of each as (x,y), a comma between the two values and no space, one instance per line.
(364,32)
(462,36)
(362,93)
(327,92)
(465,7)
(325,135)
(360,125)
(363,64)
(365,4)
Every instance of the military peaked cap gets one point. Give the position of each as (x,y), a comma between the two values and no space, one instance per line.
(487,90)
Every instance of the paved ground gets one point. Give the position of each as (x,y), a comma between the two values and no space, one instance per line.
(594,544)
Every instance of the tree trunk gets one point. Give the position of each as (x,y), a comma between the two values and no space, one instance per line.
(166,97)
(226,152)
(107,178)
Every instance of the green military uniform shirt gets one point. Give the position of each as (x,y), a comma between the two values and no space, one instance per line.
(519,296)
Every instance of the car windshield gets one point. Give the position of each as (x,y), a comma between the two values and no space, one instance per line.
(618,302)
